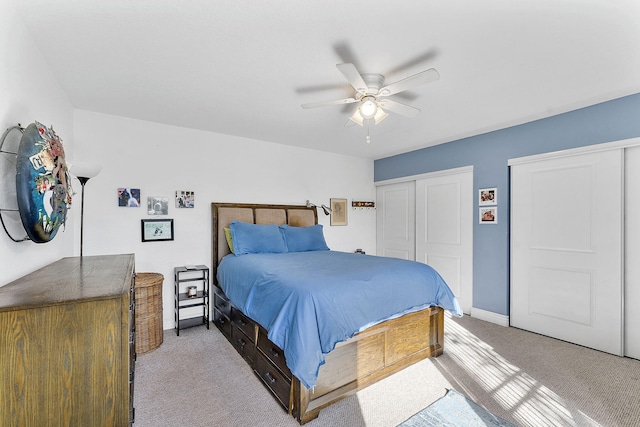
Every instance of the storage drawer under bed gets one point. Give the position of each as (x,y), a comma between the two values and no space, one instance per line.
(278,384)
(273,353)
(243,335)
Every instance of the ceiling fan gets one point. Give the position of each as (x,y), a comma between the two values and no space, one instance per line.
(371,94)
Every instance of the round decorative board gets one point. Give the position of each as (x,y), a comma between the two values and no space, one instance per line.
(43,185)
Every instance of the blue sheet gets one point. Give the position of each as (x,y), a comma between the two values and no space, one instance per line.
(310,301)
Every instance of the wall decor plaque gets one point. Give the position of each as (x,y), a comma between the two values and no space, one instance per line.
(43,185)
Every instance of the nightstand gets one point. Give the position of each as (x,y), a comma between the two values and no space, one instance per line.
(191,290)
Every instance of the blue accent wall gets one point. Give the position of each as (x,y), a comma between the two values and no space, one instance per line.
(488,153)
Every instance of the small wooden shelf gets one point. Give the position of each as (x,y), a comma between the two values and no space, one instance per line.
(195,276)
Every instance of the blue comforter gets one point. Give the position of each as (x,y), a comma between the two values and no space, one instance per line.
(310,301)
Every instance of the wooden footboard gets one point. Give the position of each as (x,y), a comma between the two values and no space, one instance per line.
(368,357)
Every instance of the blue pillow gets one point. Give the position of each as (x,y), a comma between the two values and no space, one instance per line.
(256,238)
(303,239)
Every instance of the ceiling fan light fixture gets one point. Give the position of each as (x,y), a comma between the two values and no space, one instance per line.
(357,118)
(380,115)
(368,108)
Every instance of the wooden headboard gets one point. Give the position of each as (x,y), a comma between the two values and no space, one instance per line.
(224,213)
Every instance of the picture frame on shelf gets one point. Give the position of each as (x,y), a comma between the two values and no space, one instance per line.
(156,230)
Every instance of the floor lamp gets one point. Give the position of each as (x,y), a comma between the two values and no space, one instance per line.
(84,172)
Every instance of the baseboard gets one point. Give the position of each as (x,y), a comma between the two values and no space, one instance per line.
(489,316)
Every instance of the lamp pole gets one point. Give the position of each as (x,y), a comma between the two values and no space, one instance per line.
(83,180)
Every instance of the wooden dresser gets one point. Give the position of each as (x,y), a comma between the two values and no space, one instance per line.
(67,344)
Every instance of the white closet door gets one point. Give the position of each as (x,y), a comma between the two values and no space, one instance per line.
(566,248)
(395,217)
(444,230)
(632,254)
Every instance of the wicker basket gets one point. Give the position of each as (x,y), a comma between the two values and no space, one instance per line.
(149,331)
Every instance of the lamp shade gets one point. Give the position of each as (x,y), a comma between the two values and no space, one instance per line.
(380,115)
(368,108)
(84,170)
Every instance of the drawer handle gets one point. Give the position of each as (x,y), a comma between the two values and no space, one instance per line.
(241,342)
(274,352)
(242,322)
(270,378)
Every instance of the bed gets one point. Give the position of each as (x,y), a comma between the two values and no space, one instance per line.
(365,356)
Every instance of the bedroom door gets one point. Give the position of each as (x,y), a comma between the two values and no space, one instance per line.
(395,220)
(632,254)
(566,247)
(444,229)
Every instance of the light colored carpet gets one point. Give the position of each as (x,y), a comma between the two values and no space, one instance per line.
(198,379)
(455,410)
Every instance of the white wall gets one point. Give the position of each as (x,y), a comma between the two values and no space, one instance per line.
(29,92)
(160,159)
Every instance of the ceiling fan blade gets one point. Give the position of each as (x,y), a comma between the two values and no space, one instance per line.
(426,76)
(336,102)
(349,123)
(353,76)
(399,108)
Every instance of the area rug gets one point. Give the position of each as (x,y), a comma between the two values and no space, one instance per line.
(455,410)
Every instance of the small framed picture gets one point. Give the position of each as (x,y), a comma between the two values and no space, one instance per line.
(154,230)
(487,196)
(185,199)
(129,197)
(489,215)
(338,211)
(158,205)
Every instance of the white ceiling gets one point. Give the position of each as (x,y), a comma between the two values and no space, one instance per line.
(244,68)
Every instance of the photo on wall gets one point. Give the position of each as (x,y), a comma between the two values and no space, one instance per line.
(155,230)
(338,211)
(158,205)
(185,199)
(488,196)
(489,215)
(129,197)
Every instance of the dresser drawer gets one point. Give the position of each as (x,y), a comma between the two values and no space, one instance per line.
(279,385)
(243,344)
(272,352)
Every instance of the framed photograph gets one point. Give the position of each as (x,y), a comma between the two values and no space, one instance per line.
(338,211)
(158,205)
(129,197)
(155,230)
(489,215)
(487,196)
(185,199)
